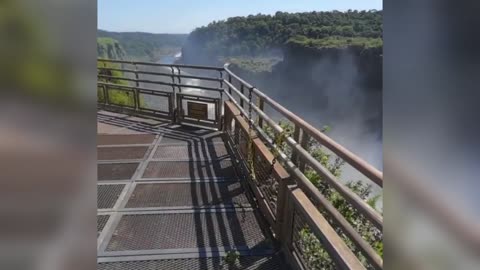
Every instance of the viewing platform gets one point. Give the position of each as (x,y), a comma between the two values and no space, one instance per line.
(190,177)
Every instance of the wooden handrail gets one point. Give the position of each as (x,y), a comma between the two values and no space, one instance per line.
(348,194)
(335,246)
(362,166)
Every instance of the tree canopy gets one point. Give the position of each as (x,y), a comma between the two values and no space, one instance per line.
(258,34)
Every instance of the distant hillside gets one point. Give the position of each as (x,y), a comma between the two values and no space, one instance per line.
(260,35)
(146,46)
(109,48)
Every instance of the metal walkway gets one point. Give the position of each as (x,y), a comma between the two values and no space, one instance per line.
(169,197)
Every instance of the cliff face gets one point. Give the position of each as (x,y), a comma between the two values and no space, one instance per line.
(110,48)
(365,64)
(328,85)
(302,66)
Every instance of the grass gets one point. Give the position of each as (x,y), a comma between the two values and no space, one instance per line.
(121,97)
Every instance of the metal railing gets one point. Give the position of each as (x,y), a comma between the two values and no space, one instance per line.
(295,162)
(167,100)
(285,195)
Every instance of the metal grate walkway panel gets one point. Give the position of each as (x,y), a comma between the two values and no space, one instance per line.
(187,230)
(116,171)
(190,169)
(117,153)
(174,137)
(107,195)
(101,222)
(193,151)
(105,139)
(187,194)
(216,263)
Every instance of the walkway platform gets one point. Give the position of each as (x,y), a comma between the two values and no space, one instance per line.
(170,197)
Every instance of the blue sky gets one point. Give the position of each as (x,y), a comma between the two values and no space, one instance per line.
(182,16)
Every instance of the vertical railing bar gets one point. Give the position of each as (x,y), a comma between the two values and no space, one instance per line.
(107,96)
(261,106)
(296,137)
(179,79)
(221,79)
(243,92)
(305,145)
(230,81)
(135,93)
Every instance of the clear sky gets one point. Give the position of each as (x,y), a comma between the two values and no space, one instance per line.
(182,16)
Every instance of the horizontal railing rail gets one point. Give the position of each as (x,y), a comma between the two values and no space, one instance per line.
(165,74)
(362,166)
(161,83)
(220,69)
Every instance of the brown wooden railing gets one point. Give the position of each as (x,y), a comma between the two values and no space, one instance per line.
(275,194)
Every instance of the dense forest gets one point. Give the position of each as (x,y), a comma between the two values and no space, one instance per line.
(258,34)
(146,46)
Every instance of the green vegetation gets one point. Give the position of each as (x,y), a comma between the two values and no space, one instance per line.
(109,48)
(116,95)
(335,42)
(253,64)
(313,252)
(255,35)
(146,46)
(232,259)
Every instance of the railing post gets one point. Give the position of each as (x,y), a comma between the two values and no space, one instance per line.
(179,80)
(178,109)
(230,81)
(304,145)
(287,224)
(136,94)
(107,96)
(243,92)
(218,116)
(296,137)
(283,188)
(261,106)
